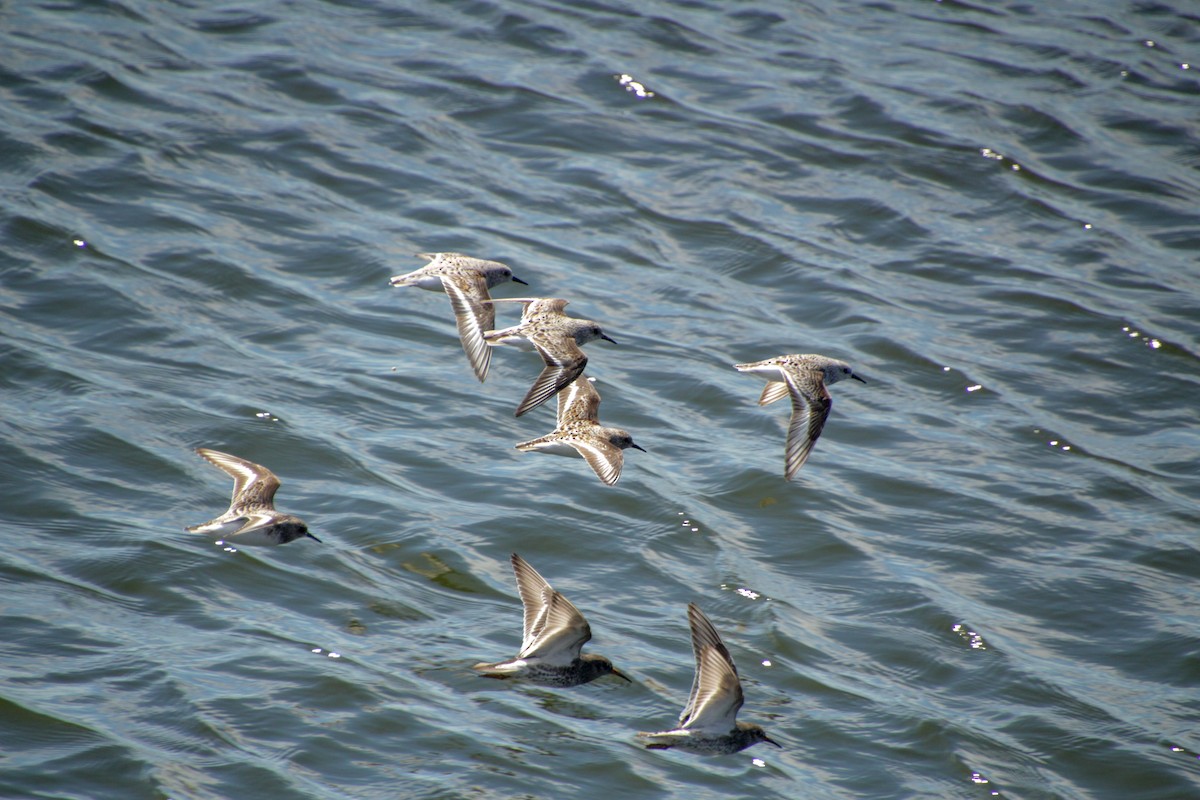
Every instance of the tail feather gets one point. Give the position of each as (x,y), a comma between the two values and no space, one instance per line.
(499,670)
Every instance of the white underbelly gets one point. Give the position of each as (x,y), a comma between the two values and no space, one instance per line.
(218,530)
(254,538)
(519,342)
(768,372)
(430,283)
(558,449)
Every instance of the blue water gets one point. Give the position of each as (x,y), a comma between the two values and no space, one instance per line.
(982,584)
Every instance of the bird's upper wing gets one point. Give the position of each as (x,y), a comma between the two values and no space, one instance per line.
(578,400)
(253,484)
(558,633)
(716,691)
(564,363)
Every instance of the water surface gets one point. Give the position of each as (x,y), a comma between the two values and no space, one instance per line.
(982,584)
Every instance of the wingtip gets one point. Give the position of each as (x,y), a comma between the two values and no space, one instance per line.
(532,401)
(790,473)
(482,366)
(793,463)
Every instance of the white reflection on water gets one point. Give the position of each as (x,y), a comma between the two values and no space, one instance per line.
(636,87)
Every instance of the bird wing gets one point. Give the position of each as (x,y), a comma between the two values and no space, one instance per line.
(810,408)
(605,459)
(467,293)
(253,484)
(716,691)
(543,305)
(530,586)
(559,631)
(564,363)
(256,519)
(454,259)
(578,400)
(774,390)
(718,694)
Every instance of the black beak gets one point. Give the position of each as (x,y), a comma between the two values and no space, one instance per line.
(772,741)
(515,279)
(637,446)
(860,380)
(606,337)
(309,535)
(620,674)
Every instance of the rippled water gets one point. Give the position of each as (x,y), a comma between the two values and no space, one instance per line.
(983,583)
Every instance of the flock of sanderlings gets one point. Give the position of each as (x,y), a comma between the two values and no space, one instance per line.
(554,631)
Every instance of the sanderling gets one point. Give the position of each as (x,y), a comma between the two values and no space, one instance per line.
(805,377)
(554,634)
(466,281)
(580,434)
(708,724)
(556,337)
(251,518)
